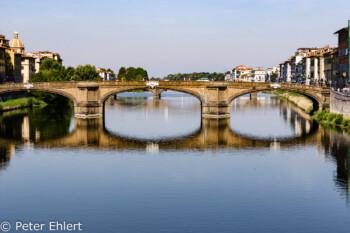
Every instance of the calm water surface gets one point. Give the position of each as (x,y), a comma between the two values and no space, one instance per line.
(156,166)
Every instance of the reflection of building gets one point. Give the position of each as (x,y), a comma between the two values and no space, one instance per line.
(299,121)
(25,129)
(338,146)
(6,151)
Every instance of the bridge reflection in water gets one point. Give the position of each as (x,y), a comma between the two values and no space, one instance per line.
(213,134)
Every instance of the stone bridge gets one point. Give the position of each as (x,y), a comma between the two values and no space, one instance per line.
(215,97)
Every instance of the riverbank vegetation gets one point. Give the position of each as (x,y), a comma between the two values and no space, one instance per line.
(325,118)
(21,103)
(333,119)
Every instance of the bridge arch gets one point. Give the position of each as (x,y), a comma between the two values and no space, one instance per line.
(51,91)
(186,91)
(316,100)
(182,90)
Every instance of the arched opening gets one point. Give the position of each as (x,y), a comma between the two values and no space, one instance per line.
(314,100)
(175,114)
(40,120)
(267,117)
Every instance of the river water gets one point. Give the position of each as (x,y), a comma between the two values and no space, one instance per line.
(156,166)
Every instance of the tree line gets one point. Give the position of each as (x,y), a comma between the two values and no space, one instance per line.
(53,71)
(195,76)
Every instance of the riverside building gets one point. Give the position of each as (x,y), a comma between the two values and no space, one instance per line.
(242,73)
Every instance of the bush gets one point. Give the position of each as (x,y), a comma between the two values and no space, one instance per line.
(319,115)
(325,116)
(346,122)
(338,119)
(279,92)
(30,101)
(309,110)
(331,117)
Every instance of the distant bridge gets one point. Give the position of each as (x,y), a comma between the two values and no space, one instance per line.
(215,97)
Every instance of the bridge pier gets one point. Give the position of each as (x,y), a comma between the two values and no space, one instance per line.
(215,104)
(87,103)
(89,109)
(156,93)
(216,111)
(254,95)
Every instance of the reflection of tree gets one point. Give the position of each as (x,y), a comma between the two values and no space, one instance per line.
(53,126)
(49,122)
(29,123)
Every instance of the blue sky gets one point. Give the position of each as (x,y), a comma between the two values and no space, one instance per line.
(174,36)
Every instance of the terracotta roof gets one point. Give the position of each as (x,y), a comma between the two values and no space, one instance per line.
(242,67)
(27,56)
(16,43)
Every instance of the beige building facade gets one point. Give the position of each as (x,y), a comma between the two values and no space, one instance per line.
(28,68)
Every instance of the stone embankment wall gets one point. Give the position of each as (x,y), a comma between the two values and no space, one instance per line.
(340,103)
(299,100)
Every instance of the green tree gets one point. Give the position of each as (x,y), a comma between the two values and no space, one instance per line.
(273,77)
(86,73)
(121,73)
(51,71)
(51,64)
(132,74)
(138,77)
(70,73)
